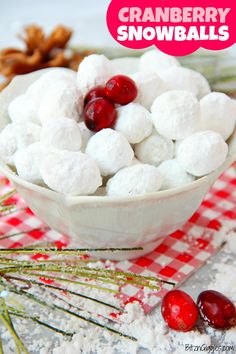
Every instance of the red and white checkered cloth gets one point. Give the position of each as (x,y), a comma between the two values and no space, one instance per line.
(180,254)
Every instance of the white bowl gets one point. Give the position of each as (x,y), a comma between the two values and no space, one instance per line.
(102,221)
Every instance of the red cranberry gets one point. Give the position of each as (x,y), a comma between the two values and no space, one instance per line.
(121,89)
(216,309)
(96,92)
(99,114)
(179,310)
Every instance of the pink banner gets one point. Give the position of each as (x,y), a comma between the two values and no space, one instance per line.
(176,27)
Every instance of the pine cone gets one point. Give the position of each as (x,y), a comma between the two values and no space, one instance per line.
(40,52)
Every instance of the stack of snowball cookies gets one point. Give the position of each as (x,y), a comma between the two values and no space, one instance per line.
(118,127)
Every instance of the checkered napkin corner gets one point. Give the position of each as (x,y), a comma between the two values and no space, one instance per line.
(179,255)
(185,251)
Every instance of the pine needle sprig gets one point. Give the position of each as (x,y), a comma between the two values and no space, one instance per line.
(6,207)
(23,278)
(7,323)
(65,290)
(47,283)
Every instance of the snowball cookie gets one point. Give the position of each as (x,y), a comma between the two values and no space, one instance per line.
(176,114)
(86,134)
(22,110)
(134,122)
(70,172)
(16,136)
(61,134)
(178,78)
(94,70)
(111,150)
(177,145)
(157,61)
(150,85)
(154,149)
(134,180)
(125,65)
(27,162)
(135,161)
(62,100)
(51,77)
(218,113)
(202,153)
(173,174)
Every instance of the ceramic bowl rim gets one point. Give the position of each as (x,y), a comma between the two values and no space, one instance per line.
(71,200)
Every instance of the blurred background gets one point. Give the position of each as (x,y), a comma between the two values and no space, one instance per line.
(86,18)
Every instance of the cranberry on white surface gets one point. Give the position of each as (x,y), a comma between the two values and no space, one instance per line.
(154,149)
(22,110)
(157,61)
(216,309)
(150,86)
(111,150)
(134,180)
(94,70)
(27,161)
(202,153)
(70,172)
(179,311)
(62,134)
(173,174)
(218,113)
(176,114)
(63,99)
(134,122)
(179,78)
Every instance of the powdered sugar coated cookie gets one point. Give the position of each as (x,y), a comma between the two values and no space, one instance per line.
(62,100)
(86,134)
(94,70)
(179,78)
(134,180)
(176,114)
(111,150)
(37,90)
(202,153)
(16,136)
(218,113)
(173,174)
(134,122)
(154,149)
(70,172)
(150,86)
(62,134)
(27,162)
(22,110)
(157,61)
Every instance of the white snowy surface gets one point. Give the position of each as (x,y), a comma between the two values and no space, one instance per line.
(150,330)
